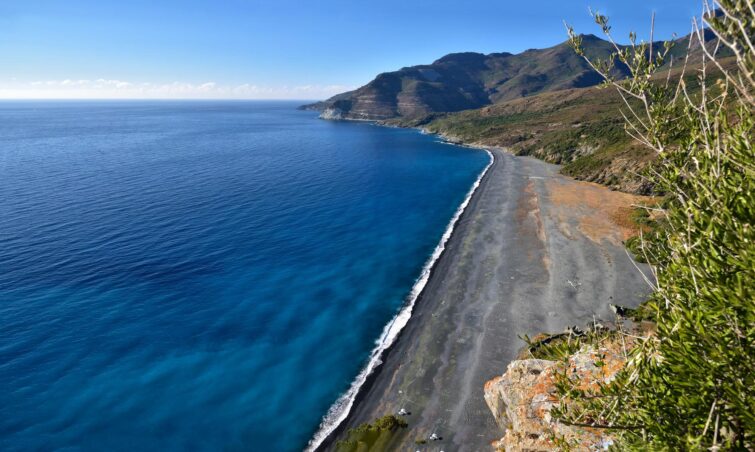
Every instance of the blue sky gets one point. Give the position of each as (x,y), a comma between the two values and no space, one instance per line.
(276,48)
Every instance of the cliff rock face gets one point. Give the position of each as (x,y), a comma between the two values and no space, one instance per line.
(521,400)
(331,113)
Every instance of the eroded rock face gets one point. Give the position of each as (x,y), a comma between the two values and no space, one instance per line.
(521,400)
(331,113)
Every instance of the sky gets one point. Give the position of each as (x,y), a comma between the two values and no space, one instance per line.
(277,49)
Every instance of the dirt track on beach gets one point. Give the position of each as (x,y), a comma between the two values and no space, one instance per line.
(533,252)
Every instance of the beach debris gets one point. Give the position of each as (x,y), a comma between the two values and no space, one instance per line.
(573,284)
(435,437)
(574,331)
(596,326)
(621,311)
(403,412)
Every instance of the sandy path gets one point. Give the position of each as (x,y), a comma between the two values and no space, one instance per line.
(534,252)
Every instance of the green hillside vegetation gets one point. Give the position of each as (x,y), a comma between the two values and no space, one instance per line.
(582,129)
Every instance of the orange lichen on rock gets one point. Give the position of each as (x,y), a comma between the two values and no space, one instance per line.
(521,399)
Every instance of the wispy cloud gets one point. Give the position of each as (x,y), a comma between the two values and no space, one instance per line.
(121,89)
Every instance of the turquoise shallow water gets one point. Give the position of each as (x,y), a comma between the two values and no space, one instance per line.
(202,275)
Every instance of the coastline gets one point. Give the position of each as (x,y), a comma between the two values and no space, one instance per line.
(334,419)
(465,323)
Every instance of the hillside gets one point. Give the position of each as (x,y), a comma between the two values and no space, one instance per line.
(463,81)
(542,102)
(581,129)
(469,80)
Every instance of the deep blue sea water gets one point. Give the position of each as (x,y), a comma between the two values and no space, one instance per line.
(202,275)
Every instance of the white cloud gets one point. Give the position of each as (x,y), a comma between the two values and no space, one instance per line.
(120,89)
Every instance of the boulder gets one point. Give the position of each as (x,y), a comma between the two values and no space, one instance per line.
(521,400)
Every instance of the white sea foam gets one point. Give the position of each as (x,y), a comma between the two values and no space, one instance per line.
(341,408)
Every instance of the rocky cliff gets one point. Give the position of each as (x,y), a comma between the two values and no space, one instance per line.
(522,398)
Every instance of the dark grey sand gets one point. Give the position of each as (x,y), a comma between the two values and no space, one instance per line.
(517,263)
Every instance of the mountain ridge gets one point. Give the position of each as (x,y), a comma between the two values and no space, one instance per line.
(471,80)
(467,80)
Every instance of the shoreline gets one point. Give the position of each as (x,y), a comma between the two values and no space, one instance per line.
(529,254)
(334,419)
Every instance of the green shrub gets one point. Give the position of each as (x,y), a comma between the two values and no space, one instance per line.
(559,347)
(373,436)
(691,386)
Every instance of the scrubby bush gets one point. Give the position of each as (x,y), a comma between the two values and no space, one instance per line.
(371,436)
(690,386)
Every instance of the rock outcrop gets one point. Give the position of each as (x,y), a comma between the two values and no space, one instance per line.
(522,398)
(331,113)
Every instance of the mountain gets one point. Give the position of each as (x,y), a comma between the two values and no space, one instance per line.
(468,80)
(463,81)
(541,102)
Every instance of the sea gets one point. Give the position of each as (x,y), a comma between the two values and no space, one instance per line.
(204,275)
